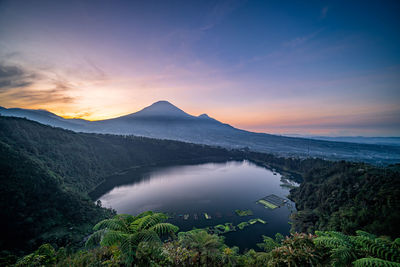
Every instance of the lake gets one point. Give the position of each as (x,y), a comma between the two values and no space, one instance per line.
(217,189)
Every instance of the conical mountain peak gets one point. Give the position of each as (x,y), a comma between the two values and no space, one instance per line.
(204,116)
(161,108)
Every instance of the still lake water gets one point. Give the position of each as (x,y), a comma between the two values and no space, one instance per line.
(215,188)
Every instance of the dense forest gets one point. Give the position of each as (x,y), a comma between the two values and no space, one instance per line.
(47,173)
(346,197)
(342,196)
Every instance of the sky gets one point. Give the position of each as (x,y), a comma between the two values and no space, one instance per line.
(285,67)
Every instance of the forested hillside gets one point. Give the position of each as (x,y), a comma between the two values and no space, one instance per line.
(347,196)
(341,196)
(82,160)
(35,208)
(47,172)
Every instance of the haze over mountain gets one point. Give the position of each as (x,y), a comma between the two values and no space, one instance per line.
(163,120)
(390,141)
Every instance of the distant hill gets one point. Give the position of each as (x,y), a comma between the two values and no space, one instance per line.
(163,120)
(389,141)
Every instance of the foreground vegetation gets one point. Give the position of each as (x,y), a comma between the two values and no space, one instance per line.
(127,240)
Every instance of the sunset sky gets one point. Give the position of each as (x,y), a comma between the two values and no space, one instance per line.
(298,67)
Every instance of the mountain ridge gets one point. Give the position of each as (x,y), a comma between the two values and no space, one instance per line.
(163,120)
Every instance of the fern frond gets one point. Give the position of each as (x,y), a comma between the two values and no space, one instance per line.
(148,236)
(143,214)
(116,224)
(378,248)
(374,262)
(342,256)
(128,247)
(330,242)
(127,218)
(396,243)
(339,235)
(112,238)
(150,220)
(365,234)
(95,238)
(164,228)
(321,233)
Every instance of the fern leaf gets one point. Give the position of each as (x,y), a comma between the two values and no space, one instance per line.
(112,238)
(396,243)
(164,228)
(378,248)
(340,235)
(321,233)
(143,214)
(148,236)
(374,262)
(342,256)
(128,247)
(95,238)
(150,220)
(330,242)
(116,224)
(365,234)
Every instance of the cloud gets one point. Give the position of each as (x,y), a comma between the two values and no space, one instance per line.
(94,71)
(301,40)
(324,12)
(185,37)
(301,47)
(14,77)
(23,87)
(219,11)
(30,96)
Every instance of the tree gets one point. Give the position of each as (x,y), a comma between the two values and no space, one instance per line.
(297,250)
(230,256)
(206,247)
(45,255)
(127,232)
(269,243)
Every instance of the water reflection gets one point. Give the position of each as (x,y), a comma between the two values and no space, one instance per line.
(188,192)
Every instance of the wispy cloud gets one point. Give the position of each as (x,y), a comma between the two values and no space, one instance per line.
(28,84)
(14,77)
(324,12)
(185,37)
(25,87)
(29,96)
(220,10)
(289,51)
(301,40)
